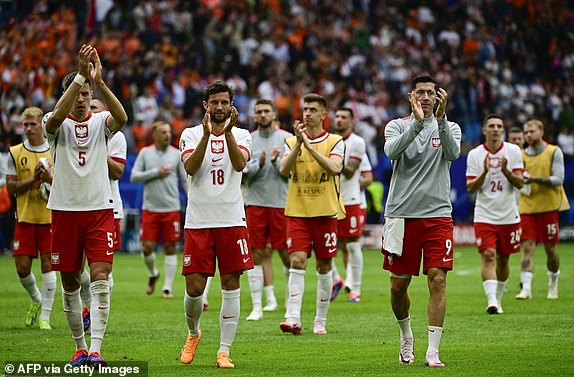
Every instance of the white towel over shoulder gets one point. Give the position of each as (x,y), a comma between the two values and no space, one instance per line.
(393,235)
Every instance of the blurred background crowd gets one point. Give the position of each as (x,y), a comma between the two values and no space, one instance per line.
(512,57)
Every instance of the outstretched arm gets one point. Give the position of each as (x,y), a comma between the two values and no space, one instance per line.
(119,116)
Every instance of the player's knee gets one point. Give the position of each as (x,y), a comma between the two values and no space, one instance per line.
(324,266)
(148,248)
(437,279)
(489,255)
(46,266)
(298,263)
(398,290)
(169,248)
(502,259)
(550,249)
(194,286)
(258,256)
(70,281)
(23,270)
(229,281)
(527,247)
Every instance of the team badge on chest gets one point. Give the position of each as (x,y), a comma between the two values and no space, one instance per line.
(81,132)
(436,142)
(217,146)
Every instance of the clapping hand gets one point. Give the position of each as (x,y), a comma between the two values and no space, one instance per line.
(232,120)
(442,97)
(84,57)
(262,159)
(302,138)
(95,68)
(416,107)
(206,122)
(503,164)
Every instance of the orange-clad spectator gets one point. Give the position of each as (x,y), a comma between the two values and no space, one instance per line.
(178,124)
(131,45)
(274,5)
(471,48)
(142,133)
(169,52)
(110,48)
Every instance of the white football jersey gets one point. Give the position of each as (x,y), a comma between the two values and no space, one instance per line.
(117,150)
(214,197)
(350,187)
(495,202)
(364,167)
(80,155)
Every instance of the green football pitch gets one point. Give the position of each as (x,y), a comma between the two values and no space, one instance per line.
(532,338)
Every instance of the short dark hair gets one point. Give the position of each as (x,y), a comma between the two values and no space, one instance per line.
(491,116)
(515,129)
(159,123)
(265,101)
(347,109)
(312,97)
(217,87)
(423,78)
(69,78)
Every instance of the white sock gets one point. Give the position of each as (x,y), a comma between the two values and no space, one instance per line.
(526,280)
(99,313)
(553,277)
(29,284)
(111,282)
(206,290)
(435,333)
(296,290)
(286,302)
(405,327)
(270,295)
(228,318)
(500,289)
(150,263)
(324,285)
(48,293)
(349,275)
(193,308)
(85,292)
(255,277)
(170,265)
(490,291)
(73,313)
(334,272)
(356,263)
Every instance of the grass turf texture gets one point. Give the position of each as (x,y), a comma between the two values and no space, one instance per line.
(532,337)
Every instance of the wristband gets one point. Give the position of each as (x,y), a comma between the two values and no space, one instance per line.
(79,79)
